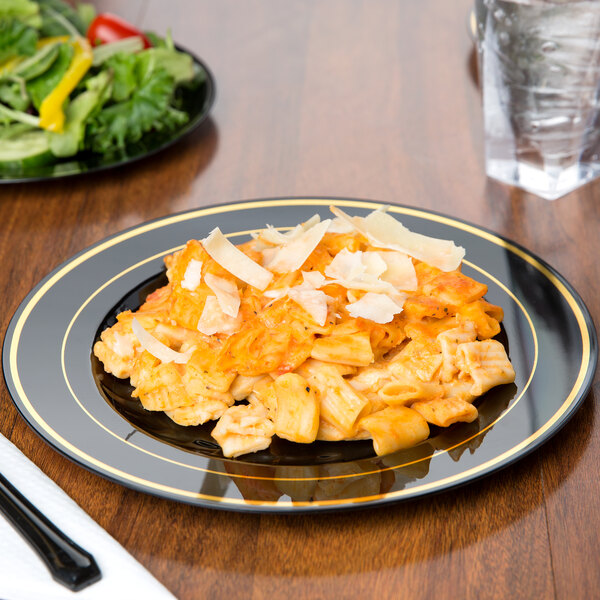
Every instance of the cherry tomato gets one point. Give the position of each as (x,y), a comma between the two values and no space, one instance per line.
(107,27)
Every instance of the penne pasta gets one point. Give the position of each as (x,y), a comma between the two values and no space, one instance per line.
(487,364)
(243,429)
(297,411)
(340,404)
(449,341)
(446,411)
(395,428)
(352,349)
(243,385)
(337,330)
(400,393)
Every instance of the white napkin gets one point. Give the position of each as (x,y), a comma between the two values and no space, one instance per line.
(23,576)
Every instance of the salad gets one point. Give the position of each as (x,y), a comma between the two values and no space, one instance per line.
(73,82)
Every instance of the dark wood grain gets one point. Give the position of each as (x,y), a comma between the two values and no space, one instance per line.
(362,98)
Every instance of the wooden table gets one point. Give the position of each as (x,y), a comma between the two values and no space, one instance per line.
(361,98)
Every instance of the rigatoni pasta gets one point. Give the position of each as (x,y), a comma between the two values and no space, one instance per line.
(343,329)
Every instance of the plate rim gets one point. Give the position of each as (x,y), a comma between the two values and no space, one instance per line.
(185,131)
(578,396)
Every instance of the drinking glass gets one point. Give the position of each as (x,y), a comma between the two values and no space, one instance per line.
(540,74)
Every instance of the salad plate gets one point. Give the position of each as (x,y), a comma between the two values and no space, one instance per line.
(196,98)
(63,393)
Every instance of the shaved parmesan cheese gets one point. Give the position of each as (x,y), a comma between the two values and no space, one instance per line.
(379,308)
(400,270)
(354,222)
(375,266)
(339,225)
(359,271)
(293,255)
(235,261)
(227,293)
(375,285)
(193,275)
(256,244)
(214,320)
(313,279)
(271,235)
(383,231)
(269,254)
(346,265)
(276,294)
(313,302)
(311,222)
(157,348)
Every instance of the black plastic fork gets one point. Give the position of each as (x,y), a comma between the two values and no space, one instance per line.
(69,564)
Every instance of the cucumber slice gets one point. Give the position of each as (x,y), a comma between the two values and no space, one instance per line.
(29,149)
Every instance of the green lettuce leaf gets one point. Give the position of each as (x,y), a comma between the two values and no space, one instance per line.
(13,94)
(123,67)
(129,69)
(126,122)
(179,65)
(16,39)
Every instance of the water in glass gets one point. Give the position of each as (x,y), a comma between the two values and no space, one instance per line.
(540,69)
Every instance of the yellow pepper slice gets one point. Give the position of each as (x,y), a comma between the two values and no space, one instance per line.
(50,40)
(52,116)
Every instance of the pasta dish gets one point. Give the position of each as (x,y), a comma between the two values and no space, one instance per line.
(348,328)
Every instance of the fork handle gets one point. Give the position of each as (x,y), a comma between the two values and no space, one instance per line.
(69,564)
